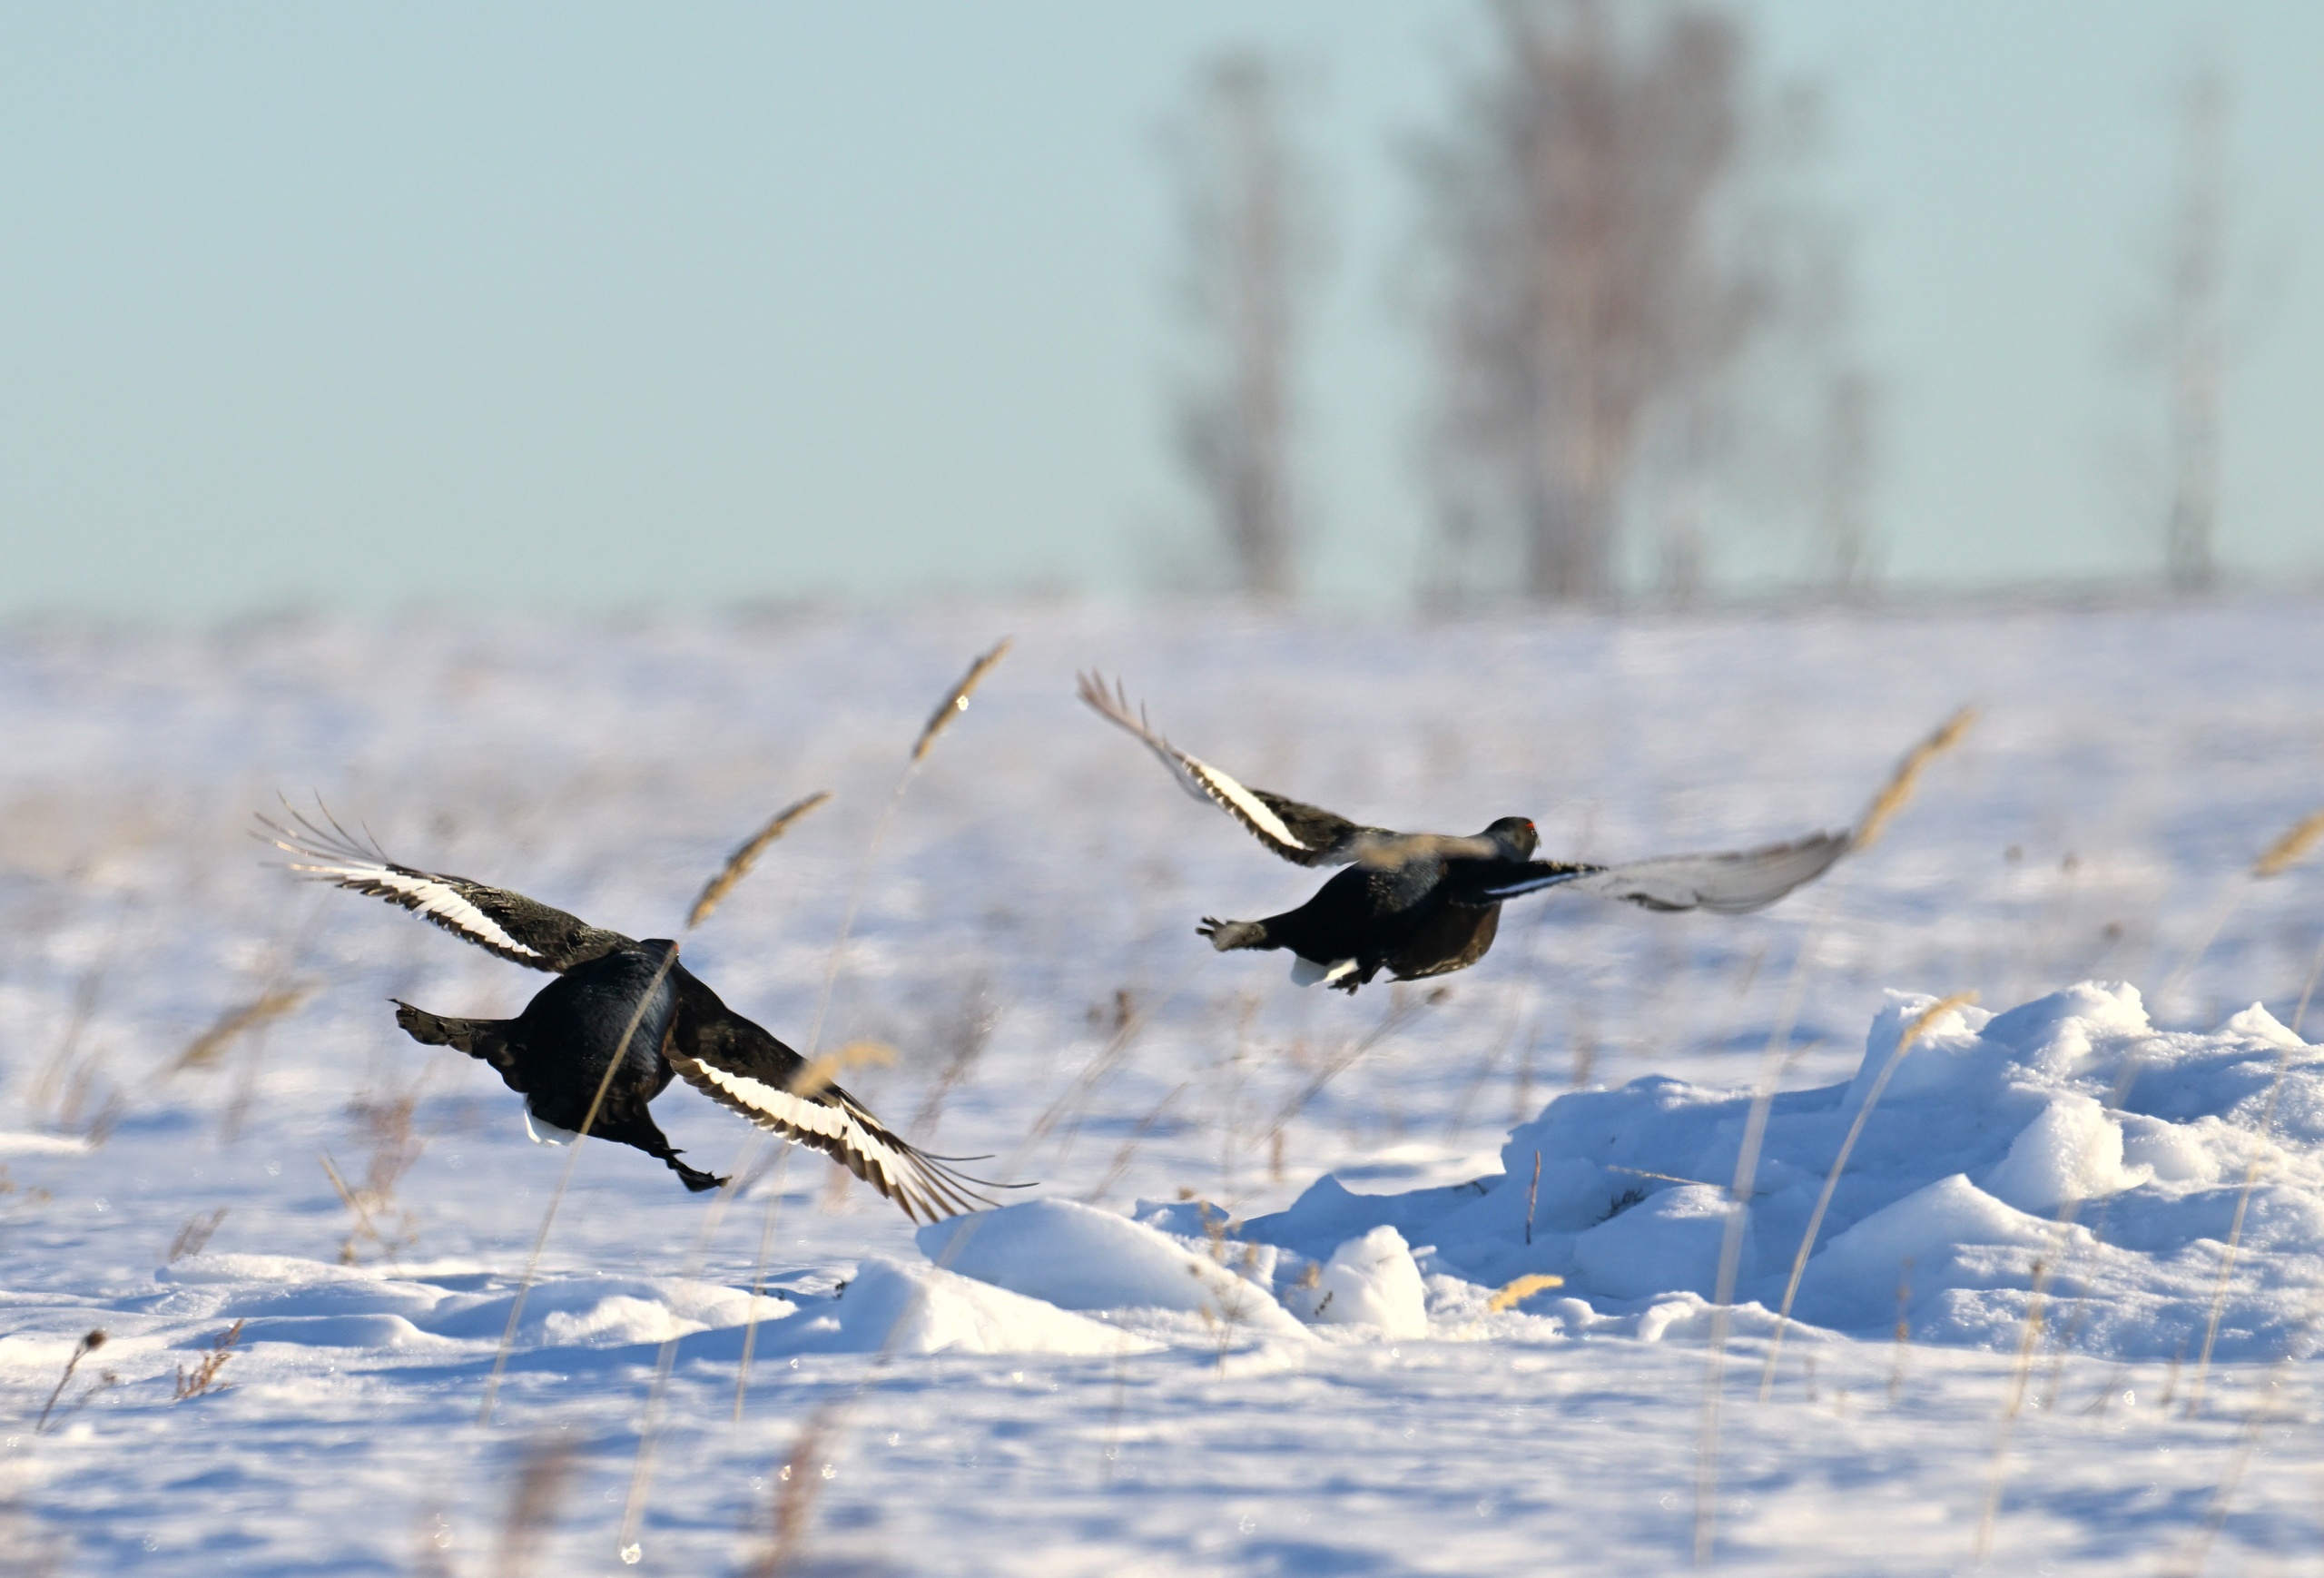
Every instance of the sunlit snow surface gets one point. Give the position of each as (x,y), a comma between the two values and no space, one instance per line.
(1040,879)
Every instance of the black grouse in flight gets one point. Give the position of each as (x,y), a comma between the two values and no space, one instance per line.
(617,998)
(1418,905)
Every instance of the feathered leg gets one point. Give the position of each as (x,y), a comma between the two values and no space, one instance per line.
(639,1131)
(1226,934)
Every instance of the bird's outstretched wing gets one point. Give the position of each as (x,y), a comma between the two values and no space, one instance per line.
(1304,835)
(520,930)
(745,1069)
(1729,884)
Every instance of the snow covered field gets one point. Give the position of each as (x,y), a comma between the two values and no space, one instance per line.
(1150,1365)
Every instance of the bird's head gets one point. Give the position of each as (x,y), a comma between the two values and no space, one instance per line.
(1517,837)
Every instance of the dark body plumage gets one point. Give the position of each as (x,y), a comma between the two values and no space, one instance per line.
(631,1007)
(1418,905)
(621,1004)
(1430,914)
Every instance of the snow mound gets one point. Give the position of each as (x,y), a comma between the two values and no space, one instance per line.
(2067,1133)
(925,1309)
(1076,1256)
(1369,1281)
(285,1299)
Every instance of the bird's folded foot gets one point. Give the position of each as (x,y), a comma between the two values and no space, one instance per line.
(1226,934)
(693,1178)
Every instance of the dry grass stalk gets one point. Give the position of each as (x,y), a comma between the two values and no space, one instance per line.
(85,1008)
(2192,1559)
(796,1486)
(2307,992)
(542,1477)
(957,703)
(1906,779)
(1511,1295)
(1730,1258)
(380,1223)
(1669,1178)
(968,1029)
(758,1282)
(818,1074)
(1774,1062)
(1911,1033)
(2286,851)
(738,864)
(204,1049)
(1404,1007)
(194,1234)
(2029,1338)
(2252,1172)
(90,1343)
(1134,1015)
(2279,857)
(951,706)
(1127,1150)
(203,1376)
(10,1188)
(1903,1326)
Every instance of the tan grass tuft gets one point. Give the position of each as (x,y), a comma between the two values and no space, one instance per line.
(796,1486)
(542,1478)
(194,1234)
(203,1376)
(2286,851)
(1907,778)
(957,703)
(738,864)
(381,1224)
(204,1049)
(1519,1291)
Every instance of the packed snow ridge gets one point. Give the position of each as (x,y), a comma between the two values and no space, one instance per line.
(2067,1142)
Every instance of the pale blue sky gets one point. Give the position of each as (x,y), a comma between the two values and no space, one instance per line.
(587,306)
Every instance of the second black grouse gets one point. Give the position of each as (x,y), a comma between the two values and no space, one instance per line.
(1418,905)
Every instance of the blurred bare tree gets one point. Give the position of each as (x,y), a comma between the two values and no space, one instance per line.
(1251,254)
(1843,537)
(1601,267)
(2194,331)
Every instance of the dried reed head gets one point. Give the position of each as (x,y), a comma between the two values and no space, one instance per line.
(957,703)
(1519,1291)
(2286,851)
(1929,1016)
(90,1343)
(273,1003)
(738,864)
(818,1074)
(1907,777)
(194,1234)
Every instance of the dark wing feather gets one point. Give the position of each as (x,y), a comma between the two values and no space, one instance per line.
(515,928)
(1301,834)
(1729,884)
(745,1069)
